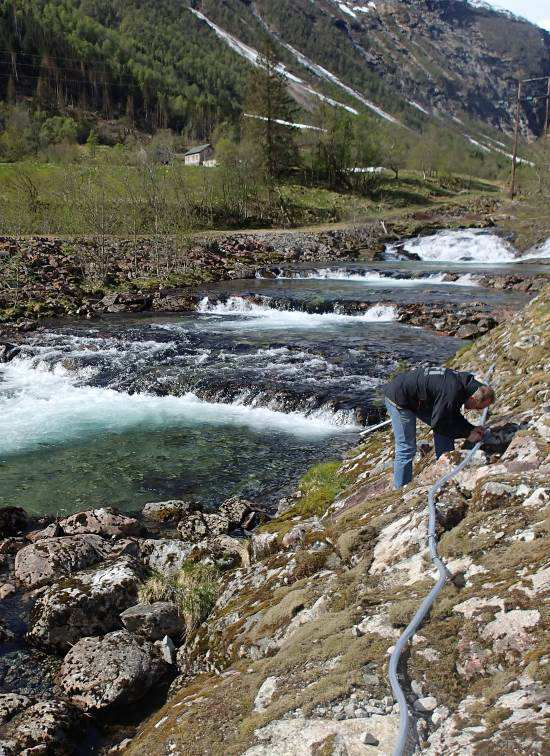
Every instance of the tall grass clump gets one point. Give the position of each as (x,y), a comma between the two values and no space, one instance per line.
(194,589)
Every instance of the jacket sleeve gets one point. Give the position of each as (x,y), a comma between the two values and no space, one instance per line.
(447,419)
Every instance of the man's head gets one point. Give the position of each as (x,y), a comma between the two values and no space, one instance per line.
(483,397)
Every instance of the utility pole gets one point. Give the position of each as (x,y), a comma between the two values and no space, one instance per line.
(546,127)
(547,109)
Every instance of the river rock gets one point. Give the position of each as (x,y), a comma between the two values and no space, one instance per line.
(29,727)
(52,558)
(6,590)
(199,525)
(165,555)
(153,621)
(8,351)
(87,603)
(167,650)
(13,521)
(106,521)
(114,670)
(167,511)
(236,510)
(263,544)
(51,531)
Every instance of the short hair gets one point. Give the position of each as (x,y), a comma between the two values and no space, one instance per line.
(484,393)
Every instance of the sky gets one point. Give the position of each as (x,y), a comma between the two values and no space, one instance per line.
(537,11)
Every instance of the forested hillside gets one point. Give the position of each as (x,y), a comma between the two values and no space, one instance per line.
(163,64)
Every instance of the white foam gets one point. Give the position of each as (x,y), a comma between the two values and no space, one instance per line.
(262,315)
(41,407)
(373,277)
(537,253)
(476,245)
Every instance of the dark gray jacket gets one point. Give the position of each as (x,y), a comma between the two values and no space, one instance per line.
(435,395)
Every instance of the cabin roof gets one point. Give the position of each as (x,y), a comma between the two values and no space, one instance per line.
(199,148)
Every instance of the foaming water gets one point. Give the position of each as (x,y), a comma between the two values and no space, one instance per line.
(374,277)
(271,317)
(41,407)
(541,252)
(475,245)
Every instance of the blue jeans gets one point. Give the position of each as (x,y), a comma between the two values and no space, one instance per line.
(404,431)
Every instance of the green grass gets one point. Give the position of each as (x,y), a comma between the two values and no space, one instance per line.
(109,195)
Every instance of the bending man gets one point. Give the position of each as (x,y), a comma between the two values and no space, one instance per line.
(435,396)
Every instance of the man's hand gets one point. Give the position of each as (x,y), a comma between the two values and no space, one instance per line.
(477,434)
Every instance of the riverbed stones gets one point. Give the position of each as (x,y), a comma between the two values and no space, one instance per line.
(87,603)
(153,621)
(13,521)
(114,670)
(51,558)
(105,521)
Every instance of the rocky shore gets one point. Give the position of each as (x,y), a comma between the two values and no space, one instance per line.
(271,637)
(77,602)
(82,277)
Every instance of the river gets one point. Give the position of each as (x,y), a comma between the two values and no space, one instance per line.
(239,397)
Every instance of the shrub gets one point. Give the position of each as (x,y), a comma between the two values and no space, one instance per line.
(58,129)
(193,589)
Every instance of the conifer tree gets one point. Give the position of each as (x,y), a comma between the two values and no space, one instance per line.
(267,102)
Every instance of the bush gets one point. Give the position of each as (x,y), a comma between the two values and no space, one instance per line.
(58,129)
(193,589)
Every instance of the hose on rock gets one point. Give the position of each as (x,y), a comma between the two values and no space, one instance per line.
(444,574)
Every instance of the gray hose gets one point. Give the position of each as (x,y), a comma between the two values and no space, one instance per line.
(414,624)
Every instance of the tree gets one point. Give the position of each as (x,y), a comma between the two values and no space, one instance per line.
(394,150)
(91,142)
(267,103)
(58,129)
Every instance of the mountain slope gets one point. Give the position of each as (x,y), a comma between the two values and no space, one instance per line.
(184,65)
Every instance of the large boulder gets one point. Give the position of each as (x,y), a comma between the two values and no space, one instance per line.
(42,727)
(167,511)
(52,558)
(114,670)
(106,521)
(13,521)
(87,603)
(165,555)
(153,621)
